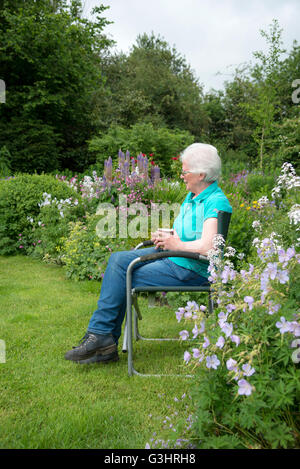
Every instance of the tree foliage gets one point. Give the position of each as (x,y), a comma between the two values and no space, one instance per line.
(65,86)
(49,60)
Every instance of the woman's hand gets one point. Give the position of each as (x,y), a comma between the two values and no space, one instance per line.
(166,241)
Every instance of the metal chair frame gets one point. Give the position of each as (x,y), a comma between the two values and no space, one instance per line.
(131,293)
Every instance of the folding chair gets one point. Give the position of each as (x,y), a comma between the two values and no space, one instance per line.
(131,293)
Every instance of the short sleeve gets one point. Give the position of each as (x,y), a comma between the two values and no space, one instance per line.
(215,204)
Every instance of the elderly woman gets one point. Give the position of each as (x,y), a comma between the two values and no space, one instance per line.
(193,230)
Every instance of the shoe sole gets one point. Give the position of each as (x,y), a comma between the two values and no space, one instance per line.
(111,357)
(103,352)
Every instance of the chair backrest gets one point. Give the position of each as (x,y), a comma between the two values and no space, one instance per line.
(223,223)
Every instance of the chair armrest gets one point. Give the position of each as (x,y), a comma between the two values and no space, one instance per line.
(162,254)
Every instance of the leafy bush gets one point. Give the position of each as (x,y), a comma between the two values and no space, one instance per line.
(19,203)
(162,143)
(84,253)
(247,354)
(51,226)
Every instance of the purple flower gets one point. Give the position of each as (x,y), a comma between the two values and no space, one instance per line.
(186,356)
(245,388)
(249,300)
(184,335)
(272,270)
(212,362)
(192,306)
(235,339)
(248,370)
(286,256)
(206,342)
(273,308)
(283,276)
(179,314)
(198,354)
(227,328)
(222,318)
(195,331)
(284,325)
(295,328)
(220,342)
(230,307)
(231,365)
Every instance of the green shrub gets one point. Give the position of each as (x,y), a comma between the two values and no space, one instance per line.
(85,254)
(162,143)
(19,203)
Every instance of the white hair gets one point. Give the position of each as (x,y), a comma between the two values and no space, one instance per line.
(203,158)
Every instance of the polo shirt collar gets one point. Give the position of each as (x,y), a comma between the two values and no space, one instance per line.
(204,194)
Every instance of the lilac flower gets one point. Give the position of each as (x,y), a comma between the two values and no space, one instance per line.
(227,274)
(284,325)
(286,256)
(179,314)
(212,362)
(235,339)
(249,300)
(272,270)
(202,308)
(230,307)
(186,356)
(273,308)
(192,306)
(220,342)
(264,281)
(295,343)
(222,318)
(248,370)
(188,315)
(245,388)
(195,331)
(206,342)
(231,365)
(198,354)
(283,276)
(295,328)
(202,327)
(184,335)
(227,328)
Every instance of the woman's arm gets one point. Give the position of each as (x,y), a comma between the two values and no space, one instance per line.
(202,245)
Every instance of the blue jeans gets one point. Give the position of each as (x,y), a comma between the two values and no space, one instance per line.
(108,317)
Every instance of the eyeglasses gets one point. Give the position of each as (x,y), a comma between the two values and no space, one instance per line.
(186,172)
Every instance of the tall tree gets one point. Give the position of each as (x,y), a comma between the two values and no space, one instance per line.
(49,60)
(154,83)
(264,109)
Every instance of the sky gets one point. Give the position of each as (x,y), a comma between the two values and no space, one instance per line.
(214,36)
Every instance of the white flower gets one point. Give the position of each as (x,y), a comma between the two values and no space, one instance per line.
(256,225)
(294,214)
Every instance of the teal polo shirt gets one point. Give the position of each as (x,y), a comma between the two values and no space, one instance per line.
(192,215)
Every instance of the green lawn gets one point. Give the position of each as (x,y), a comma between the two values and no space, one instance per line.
(48,402)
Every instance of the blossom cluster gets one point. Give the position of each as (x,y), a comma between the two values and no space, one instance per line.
(61,204)
(221,340)
(286,181)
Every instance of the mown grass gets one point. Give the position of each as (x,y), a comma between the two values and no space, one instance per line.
(48,402)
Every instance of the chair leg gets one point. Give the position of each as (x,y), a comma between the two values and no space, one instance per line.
(210,303)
